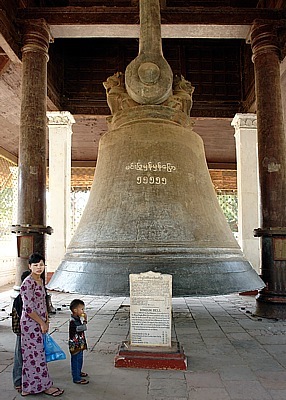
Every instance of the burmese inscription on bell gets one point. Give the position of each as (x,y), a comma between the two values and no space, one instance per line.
(150,309)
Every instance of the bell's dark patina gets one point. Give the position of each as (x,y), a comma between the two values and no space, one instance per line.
(152,205)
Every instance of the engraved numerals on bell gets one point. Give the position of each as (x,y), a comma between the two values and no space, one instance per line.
(151,180)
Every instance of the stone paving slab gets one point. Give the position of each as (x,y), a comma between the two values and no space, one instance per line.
(232,355)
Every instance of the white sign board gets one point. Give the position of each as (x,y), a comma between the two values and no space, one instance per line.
(150,309)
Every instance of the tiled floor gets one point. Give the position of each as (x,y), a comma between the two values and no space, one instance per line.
(232,355)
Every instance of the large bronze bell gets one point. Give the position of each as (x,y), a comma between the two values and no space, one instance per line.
(152,204)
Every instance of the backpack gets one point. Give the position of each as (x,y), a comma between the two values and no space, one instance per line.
(16,314)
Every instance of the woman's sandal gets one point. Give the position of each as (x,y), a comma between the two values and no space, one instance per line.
(18,388)
(83,374)
(82,382)
(57,392)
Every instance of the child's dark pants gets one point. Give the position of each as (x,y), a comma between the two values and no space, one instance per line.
(76,366)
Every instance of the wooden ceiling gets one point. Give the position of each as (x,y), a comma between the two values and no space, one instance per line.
(206,41)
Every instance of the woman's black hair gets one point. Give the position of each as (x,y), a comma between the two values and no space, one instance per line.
(36,258)
(25,274)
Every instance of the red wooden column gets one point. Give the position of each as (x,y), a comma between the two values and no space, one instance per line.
(31,227)
(271,301)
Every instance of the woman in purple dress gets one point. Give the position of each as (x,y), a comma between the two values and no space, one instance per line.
(34,322)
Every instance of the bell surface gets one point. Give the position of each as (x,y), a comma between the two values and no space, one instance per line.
(152,207)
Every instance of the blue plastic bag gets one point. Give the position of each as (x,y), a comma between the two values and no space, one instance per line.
(52,349)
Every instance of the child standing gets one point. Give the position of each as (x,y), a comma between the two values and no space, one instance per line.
(77,341)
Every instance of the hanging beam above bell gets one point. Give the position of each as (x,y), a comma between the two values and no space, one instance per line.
(149,78)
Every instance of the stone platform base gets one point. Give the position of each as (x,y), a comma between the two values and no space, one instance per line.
(151,357)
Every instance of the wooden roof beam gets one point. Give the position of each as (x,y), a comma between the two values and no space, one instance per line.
(169,15)
(9,38)
(123,22)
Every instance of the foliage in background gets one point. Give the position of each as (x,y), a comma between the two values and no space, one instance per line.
(6,210)
(228,203)
(7,196)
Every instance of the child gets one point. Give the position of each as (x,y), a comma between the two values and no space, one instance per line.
(77,341)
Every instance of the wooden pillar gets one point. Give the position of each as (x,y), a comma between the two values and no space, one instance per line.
(271,301)
(31,227)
